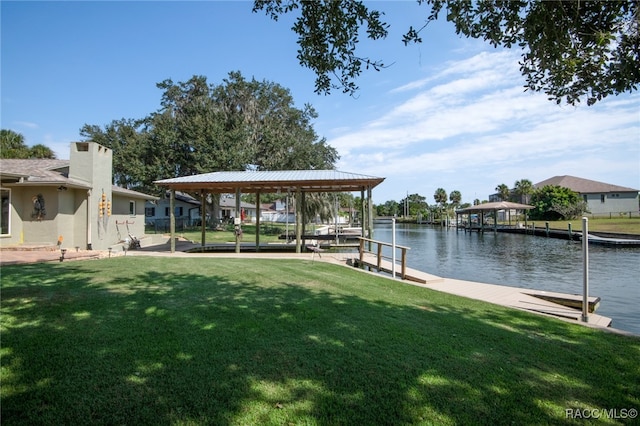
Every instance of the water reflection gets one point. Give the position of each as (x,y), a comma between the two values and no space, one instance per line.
(526,261)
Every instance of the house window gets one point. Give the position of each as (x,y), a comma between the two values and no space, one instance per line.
(602,198)
(177,210)
(149,211)
(132,208)
(584,197)
(6,209)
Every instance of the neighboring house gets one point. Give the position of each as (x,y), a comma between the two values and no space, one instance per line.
(72,202)
(277,212)
(228,209)
(603,199)
(188,211)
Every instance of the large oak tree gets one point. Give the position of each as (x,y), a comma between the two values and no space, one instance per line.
(571,50)
(202,127)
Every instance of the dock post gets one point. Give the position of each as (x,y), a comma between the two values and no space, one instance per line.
(570,235)
(585,269)
(546,228)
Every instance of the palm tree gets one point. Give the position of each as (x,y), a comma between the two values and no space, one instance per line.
(319,205)
(41,151)
(440,196)
(455,197)
(524,188)
(12,145)
(503,192)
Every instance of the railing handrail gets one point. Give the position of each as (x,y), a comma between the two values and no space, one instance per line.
(384,243)
(379,244)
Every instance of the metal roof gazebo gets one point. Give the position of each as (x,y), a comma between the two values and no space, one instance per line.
(257,182)
(494,207)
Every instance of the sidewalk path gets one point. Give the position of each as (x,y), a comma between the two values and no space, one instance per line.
(13,257)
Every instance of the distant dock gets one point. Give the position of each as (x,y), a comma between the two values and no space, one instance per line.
(597,238)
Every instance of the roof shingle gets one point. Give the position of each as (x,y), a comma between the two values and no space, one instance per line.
(583,186)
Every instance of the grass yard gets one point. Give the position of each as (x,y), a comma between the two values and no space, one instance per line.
(269,234)
(133,340)
(620,225)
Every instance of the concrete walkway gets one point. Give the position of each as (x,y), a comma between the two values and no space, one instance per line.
(40,255)
(518,298)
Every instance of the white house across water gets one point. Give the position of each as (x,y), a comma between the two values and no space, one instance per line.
(603,199)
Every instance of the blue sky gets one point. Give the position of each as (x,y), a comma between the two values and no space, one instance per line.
(450,112)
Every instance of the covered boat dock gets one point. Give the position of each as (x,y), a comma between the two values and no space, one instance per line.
(481,209)
(296,182)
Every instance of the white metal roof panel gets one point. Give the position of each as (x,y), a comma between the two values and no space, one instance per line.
(306,180)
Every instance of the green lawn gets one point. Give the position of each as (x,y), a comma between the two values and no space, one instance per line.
(620,225)
(136,340)
(268,234)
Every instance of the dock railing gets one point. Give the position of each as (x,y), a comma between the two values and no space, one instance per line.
(380,259)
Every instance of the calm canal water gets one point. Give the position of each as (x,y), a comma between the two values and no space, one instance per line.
(528,262)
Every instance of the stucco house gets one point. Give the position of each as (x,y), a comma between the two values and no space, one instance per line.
(603,199)
(71,203)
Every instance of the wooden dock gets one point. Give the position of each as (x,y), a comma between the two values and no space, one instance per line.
(370,261)
(559,305)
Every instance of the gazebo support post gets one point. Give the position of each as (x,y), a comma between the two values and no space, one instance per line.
(363,226)
(238,228)
(172,219)
(303,223)
(203,218)
(366,226)
(257,221)
(369,213)
(298,210)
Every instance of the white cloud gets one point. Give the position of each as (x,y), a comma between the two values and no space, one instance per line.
(473,123)
(26,124)
(61,148)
